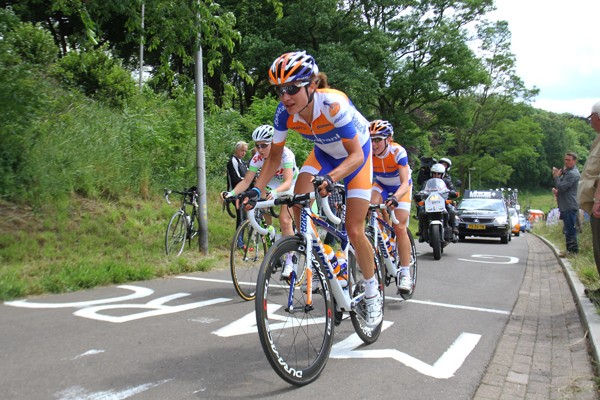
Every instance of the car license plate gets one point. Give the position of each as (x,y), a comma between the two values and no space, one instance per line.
(475,226)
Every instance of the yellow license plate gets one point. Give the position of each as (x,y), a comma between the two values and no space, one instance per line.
(475,226)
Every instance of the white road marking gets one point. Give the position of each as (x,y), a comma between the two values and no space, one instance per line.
(139,292)
(88,353)
(79,393)
(156,307)
(433,303)
(443,368)
(479,258)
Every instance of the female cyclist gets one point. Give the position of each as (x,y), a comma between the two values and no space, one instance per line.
(282,181)
(342,151)
(392,179)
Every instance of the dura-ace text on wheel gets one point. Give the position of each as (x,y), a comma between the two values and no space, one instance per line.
(297,339)
(245,260)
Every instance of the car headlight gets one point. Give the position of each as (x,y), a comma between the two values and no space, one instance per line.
(501,220)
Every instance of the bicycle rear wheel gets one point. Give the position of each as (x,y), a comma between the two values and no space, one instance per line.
(245,261)
(413,266)
(358,316)
(297,340)
(176,234)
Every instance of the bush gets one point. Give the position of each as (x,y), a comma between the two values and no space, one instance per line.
(98,75)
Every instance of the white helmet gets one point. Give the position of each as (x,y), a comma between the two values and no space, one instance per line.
(438,168)
(263,133)
(447,161)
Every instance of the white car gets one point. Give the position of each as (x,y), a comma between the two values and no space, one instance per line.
(515,225)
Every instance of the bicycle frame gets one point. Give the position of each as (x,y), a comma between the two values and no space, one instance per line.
(308,231)
(375,222)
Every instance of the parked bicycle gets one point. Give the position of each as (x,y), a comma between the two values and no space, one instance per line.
(296,316)
(245,259)
(183,224)
(384,238)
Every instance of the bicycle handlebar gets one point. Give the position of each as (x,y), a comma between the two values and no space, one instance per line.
(390,212)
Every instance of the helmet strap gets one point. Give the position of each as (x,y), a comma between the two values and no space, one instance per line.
(310,98)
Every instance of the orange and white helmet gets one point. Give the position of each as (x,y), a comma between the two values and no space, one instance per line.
(291,67)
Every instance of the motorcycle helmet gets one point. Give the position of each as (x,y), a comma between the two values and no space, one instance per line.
(292,67)
(263,133)
(447,161)
(438,169)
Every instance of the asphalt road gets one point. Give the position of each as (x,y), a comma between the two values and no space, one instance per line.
(191,337)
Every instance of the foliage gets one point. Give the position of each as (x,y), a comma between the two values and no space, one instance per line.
(98,75)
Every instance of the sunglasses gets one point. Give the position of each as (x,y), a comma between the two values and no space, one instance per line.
(290,89)
(377,140)
(262,146)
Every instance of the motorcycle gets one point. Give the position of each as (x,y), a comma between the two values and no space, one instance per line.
(433,216)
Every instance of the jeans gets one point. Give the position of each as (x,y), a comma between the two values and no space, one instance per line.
(570,230)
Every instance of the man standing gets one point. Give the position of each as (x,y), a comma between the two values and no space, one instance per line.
(236,170)
(566,181)
(588,194)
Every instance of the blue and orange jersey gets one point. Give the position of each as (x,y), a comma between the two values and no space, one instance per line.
(335,121)
(386,168)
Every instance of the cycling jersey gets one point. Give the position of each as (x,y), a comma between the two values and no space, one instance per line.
(386,173)
(288,160)
(335,121)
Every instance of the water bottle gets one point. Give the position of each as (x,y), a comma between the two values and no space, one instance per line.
(330,254)
(342,269)
(393,243)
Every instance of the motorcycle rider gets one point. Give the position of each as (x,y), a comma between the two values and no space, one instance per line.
(439,171)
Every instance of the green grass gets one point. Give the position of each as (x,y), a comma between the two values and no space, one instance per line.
(83,243)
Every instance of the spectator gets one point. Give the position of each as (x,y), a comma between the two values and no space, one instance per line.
(588,193)
(566,181)
(236,170)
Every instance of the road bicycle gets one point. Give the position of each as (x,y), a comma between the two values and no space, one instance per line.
(296,316)
(245,259)
(382,234)
(182,225)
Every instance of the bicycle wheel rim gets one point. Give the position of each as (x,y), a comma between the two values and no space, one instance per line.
(245,262)
(413,266)
(297,344)
(175,235)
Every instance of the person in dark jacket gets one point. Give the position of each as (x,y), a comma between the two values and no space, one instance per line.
(236,170)
(566,180)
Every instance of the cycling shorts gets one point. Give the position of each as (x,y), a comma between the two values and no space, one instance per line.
(387,191)
(358,184)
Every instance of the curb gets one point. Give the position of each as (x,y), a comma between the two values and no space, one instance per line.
(586,309)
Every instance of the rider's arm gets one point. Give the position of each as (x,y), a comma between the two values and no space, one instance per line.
(244,183)
(352,162)
(404,187)
(270,166)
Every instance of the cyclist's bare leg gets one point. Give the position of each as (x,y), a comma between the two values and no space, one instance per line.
(356,211)
(402,240)
(285,221)
(303,185)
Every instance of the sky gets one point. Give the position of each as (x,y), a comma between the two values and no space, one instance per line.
(557,49)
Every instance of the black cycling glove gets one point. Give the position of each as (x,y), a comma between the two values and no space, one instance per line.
(252,195)
(391,201)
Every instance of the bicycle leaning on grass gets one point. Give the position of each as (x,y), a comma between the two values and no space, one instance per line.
(384,238)
(296,316)
(183,224)
(245,259)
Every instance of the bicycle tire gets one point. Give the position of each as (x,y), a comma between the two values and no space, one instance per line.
(176,234)
(412,266)
(367,334)
(296,343)
(245,262)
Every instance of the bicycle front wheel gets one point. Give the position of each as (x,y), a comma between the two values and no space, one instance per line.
(176,234)
(295,325)
(368,334)
(413,267)
(248,249)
